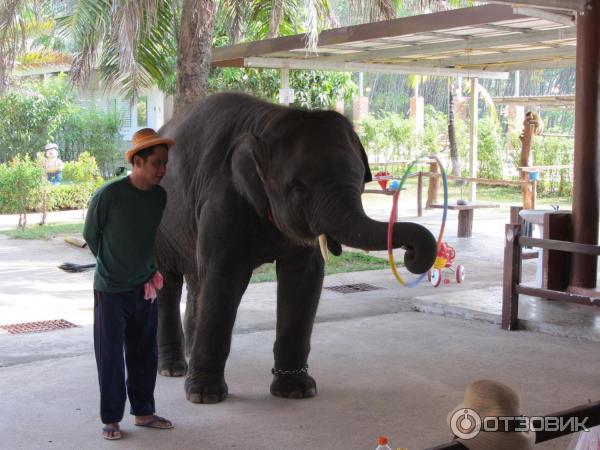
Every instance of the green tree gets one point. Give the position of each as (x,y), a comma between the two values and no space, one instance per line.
(21,182)
(31,116)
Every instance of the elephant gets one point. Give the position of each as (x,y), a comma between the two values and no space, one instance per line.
(250,182)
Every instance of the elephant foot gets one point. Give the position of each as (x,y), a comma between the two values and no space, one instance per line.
(172,367)
(203,387)
(293,384)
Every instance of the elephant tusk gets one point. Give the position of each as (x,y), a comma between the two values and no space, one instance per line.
(323,246)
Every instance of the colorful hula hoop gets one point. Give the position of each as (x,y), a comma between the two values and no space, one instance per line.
(390,233)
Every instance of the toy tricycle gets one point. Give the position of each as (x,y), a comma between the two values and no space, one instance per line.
(444,260)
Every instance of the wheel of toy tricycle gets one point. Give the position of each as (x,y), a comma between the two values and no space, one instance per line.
(460,273)
(435,277)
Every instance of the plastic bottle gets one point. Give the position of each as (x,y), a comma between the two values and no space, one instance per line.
(383,443)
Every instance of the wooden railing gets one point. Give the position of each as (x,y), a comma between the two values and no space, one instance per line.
(433,188)
(512,287)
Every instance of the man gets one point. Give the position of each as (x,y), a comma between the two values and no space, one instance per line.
(120,229)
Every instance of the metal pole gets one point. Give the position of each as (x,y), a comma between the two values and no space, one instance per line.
(586,189)
(285,80)
(473,140)
(360,84)
(517,83)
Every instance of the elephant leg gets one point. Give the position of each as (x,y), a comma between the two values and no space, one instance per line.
(189,322)
(171,360)
(299,283)
(216,307)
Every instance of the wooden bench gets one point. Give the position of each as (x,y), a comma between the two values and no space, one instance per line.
(465,216)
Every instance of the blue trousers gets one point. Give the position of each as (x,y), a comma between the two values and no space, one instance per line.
(125,336)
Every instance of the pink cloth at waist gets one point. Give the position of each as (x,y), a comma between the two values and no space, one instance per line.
(150,287)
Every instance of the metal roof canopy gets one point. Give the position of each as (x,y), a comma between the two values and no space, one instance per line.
(483,41)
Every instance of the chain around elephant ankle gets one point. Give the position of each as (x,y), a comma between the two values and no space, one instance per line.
(304,369)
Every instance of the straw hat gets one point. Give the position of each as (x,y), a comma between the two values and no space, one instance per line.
(50,146)
(146,138)
(489,398)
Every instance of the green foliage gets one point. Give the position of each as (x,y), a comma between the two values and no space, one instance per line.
(92,131)
(321,90)
(435,131)
(40,112)
(549,151)
(82,170)
(313,89)
(70,196)
(348,261)
(490,149)
(45,232)
(32,116)
(262,83)
(387,138)
(80,180)
(21,181)
(390,137)
(23,186)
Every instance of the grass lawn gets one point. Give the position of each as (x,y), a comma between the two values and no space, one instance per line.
(485,193)
(46,231)
(348,261)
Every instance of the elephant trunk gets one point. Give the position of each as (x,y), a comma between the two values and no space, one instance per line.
(357,230)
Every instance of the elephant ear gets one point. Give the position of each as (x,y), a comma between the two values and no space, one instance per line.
(246,173)
(365,160)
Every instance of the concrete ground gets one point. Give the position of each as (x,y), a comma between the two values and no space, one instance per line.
(381,364)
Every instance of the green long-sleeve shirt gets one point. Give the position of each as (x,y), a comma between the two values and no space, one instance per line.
(120,230)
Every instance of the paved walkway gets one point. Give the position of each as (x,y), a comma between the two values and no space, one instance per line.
(381,367)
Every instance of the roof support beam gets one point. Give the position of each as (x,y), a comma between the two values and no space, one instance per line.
(565,19)
(477,43)
(510,57)
(533,65)
(407,69)
(573,5)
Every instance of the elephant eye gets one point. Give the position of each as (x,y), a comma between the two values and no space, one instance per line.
(296,188)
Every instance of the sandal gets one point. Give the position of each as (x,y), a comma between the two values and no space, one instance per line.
(111,432)
(156,422)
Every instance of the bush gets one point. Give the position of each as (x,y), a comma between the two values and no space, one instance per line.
(388,138)
(31,115)
(94,132)
(83,170)
(490,148)
(21,183)
(40,112)
(70,195)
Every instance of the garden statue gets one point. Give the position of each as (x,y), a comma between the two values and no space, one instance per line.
(53,165)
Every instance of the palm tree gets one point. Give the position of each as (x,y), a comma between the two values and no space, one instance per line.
(138,43)
(18,19)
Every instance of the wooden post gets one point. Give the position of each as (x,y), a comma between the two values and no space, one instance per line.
(533,193)
(432,191)
(512,277)
(531,126)
(586,164)
(556,265)
(514,215)
(473,166)
(465,223)
(419,194)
